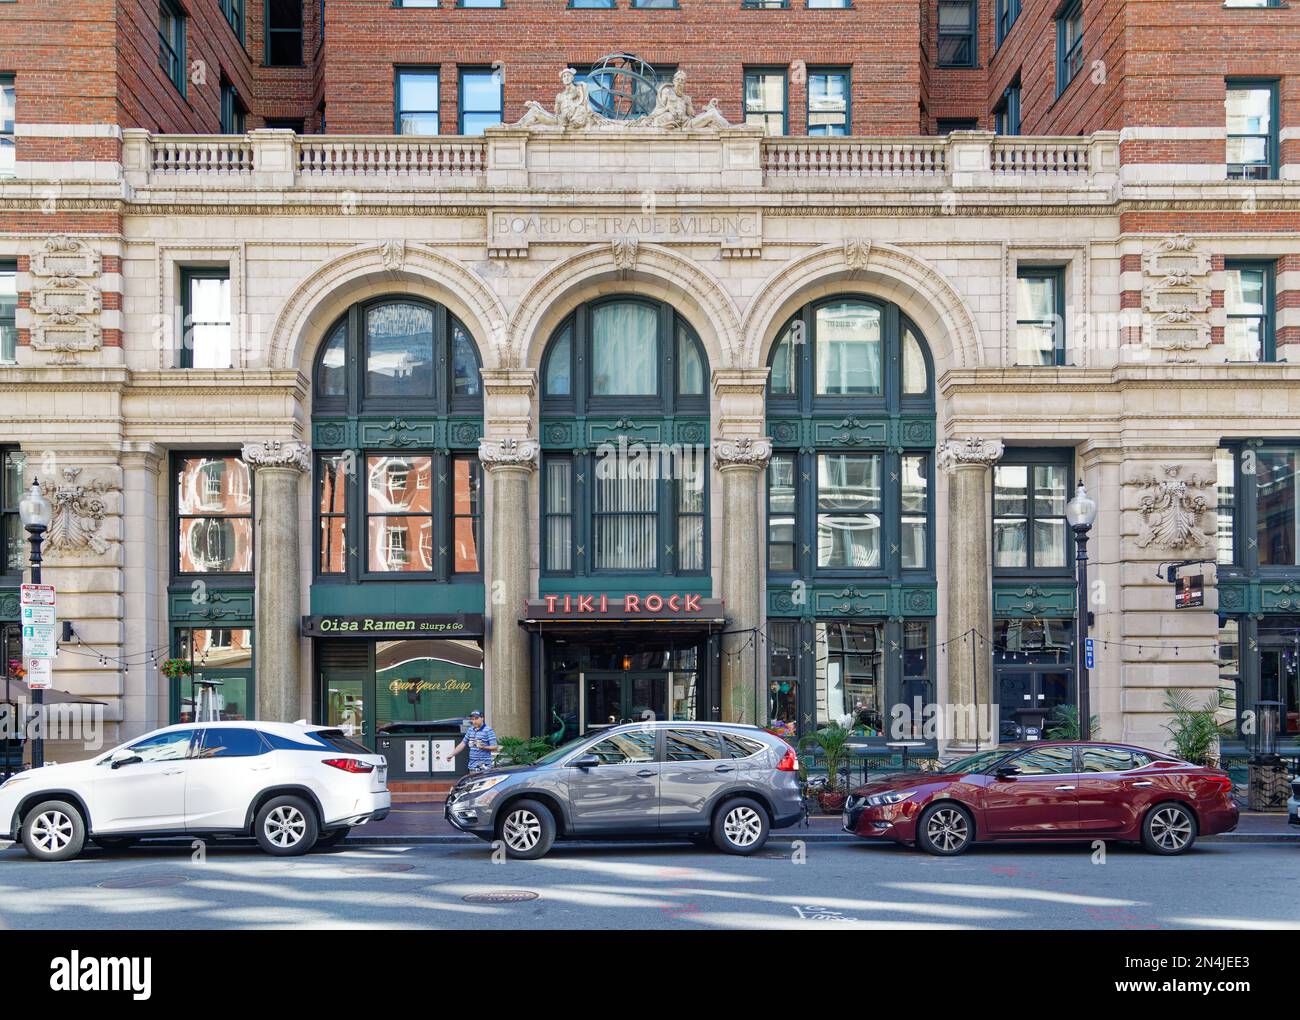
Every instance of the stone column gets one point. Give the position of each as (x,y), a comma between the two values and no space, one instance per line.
(741,463)
(967,463)
(509,463)
(277,467)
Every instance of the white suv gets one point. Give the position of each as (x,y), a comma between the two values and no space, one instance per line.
(291,786)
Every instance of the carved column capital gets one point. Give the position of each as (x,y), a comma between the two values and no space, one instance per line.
(278,453)
(974,450)
(509,452)
(744,451)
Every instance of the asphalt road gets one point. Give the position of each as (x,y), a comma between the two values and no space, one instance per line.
(840,885)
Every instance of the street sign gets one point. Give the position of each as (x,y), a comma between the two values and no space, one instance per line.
(37,594)
(1189,592)
(1087,652)
(38,615)
(38,674)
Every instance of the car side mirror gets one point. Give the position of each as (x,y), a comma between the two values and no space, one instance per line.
(135,759)
(1007,772)
(586,761)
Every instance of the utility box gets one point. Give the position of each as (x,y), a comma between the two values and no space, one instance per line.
(422,750)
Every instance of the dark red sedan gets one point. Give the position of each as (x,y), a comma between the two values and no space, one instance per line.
(1047,790)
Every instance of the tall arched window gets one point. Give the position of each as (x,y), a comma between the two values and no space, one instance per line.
(625,443)
(396,420)
(850,550)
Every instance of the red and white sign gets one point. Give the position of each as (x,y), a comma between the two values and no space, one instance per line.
(600,606)
(38,674)
(37,595)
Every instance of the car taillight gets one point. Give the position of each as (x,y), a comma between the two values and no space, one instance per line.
(349,764)
(1223,783)
(789,762)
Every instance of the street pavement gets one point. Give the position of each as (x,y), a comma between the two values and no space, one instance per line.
(791,884)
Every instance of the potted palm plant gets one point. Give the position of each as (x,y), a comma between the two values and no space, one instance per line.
(830,742)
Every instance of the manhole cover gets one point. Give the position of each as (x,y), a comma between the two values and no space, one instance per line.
(501,896)
(379,867)
(142,882)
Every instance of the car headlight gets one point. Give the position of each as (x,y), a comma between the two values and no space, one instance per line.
(892,797)
(12,779)
(480,785)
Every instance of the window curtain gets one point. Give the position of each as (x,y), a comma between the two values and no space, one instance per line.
(625,518)
(624,352)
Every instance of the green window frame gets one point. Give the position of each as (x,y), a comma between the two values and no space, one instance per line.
(206,342)
(8,313)
(225,653)
(591,4)
(8,107)
(655,5)
(764,5)
(827,5)
(1039,320)
(480,3)
(219,487)
(958,35)
(1006,115)
(171,43)
(416,3)
(1252,143)
(284,31)
(833,113)
(758,103)
(233,10)
(1069,44)
(1007,13)
(471,120)
(1249,333)
(421,116)
(13,537)
(1030,490)
(233,113)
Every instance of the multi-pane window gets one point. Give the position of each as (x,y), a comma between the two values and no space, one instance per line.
(849,502)
(1250,110)
(480,100)
(690,512)
(12,535)
(765,99)
(466,514)
(1029,525)
(915,506)
(1225,467)
(214,514)
(1248,304)
(557,515)
(234,12)
(1007,114)
(957,32)
(8,313)
(232,110)
(283,33)
(1069,45)
(171,42)
(7,104)
(847,358)
(851,674)
(216,653)
(1040,315)
(399,513)
(783,675)
(782,513)
(332,512)
(205,318)
(417,101)
(1277,529)
(625,513)
(1007,12)
(828,102)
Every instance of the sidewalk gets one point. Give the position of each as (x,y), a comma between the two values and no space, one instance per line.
(423,822)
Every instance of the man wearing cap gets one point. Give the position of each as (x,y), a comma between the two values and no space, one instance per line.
(482,742)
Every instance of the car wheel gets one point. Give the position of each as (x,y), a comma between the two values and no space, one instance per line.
(113,842)
(54,831)
(740,827)
(1169,829)
(286,826)
(945,830)
(332,838)
(527,829)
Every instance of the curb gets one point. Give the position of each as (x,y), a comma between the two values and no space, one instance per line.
(808,837)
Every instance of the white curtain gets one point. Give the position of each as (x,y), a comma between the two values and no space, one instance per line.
(624,354)
(626,514)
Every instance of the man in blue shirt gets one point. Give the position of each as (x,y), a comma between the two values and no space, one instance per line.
(482,742)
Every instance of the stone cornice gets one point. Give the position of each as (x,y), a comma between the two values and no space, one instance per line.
(1075,380)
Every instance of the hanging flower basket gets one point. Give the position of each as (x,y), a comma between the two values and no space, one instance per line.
(176,668)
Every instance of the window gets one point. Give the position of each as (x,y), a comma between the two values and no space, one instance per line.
(947,125)
(765,100)
(624,350)
(417,102)
(415,3)
(629,748)
(231,742)
(914,521)
(294,124)
(557,525)
(736,746)
(222,654)
(848,348)
(1248,302)
(655,4)
(1006,115)
(591,3)
(214,515)
(1040,315)
(828,102)
(234,12)
(1045,761)
(13,537)
(1007,12)
(480,101)
(1111,759)
(171,43)
(781,513)
(1069,44)
(765,5)
(332,512)
(8,313)
(205,319)
(783,662)
(1029,526)
(828,4)
(1251,113)
(625,513)
(399,511)
(232,111)
(466,514)
(1225,466)
(848,510)
(171,746)
(693,745)
(7,107)
(1278,527)
(480,3)
(957,33)
(851,675)
(284,33)
(1252,3)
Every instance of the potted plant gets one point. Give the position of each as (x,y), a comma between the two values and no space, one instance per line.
(1064,724)
(830,742)
(1194,732)
(521,750)
(176,668)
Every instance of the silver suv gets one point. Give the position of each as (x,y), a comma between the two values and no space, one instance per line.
(656,780)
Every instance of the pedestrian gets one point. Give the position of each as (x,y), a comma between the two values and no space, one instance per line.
(480,740)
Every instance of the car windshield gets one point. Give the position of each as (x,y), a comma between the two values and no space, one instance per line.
(976,762)
(551,757)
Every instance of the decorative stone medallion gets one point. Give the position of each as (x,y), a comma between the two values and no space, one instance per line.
(77,511)
(1171,509)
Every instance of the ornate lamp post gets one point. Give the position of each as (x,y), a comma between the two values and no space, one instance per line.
(1081,512)
(34,510)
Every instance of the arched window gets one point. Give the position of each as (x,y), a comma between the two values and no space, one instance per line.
(396,421)
(625,442)
(850,410)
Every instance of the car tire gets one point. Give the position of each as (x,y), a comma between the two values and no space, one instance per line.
(286,826)
(741,826)
(113,842)
(1169,829)
(945,830)
(332,837)
(54,831)
(526,830)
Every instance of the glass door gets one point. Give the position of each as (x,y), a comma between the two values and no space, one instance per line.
(1022,688)
(1278,681)
(614,698)
(345,707)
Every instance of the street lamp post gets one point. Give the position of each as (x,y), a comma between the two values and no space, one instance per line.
(34,510)
(1081,512)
